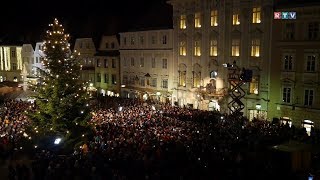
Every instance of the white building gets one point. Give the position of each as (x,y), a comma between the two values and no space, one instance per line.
(147,64)
(208,34)
(87,50)
(38,58)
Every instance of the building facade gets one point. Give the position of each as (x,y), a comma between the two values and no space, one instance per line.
(87,50)
(295,76)
(209,34)
(107,66)
(10,63)
(147,64)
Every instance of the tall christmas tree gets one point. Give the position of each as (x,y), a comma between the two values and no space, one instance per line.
(62,100)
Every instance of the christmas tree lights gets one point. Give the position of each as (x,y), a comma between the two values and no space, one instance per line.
(62,100)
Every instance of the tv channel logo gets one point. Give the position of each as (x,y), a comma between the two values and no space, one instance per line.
(285,15)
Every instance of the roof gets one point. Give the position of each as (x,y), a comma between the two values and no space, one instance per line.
(108,53)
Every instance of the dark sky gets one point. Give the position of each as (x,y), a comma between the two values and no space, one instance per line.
(27,20)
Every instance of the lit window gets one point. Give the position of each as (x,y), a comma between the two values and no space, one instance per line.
(213,47)
(182,48)
(196,79)
(308,97)
(235,47)
(254,85)
(235,19)
(183,24)
(197,20)
(214,18)
(255,47)
(197,49)
(182,78)
(256,15)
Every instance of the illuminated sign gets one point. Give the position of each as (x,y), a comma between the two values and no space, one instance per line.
(285,15)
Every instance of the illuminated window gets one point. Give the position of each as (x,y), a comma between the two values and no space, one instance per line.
(182,78)
(197,20)
(141,62)
(256,15)
(286,94)
(214,18)
(255,47)
(153,62)
(308,97)
(213,47)
(182,48)
(235,50)
(254,85)
(183,20)
(164,63)
(197,48)
(235,19)
(288,62)
(196,79)
(311,63)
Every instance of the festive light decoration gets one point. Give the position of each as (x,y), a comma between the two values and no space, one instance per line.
(61,94)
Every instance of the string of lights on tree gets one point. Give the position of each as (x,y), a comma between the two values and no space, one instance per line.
(62,100)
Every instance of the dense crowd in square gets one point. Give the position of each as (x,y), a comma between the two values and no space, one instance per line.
(136,139)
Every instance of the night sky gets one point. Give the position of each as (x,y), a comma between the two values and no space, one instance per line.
(27,21)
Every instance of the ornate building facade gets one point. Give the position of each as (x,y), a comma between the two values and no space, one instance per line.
(147,64)
(209,34)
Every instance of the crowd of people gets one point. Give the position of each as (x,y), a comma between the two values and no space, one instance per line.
(145,140)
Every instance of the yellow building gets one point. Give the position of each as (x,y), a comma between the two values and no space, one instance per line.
(107,66)
(209,34)
(294,80)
